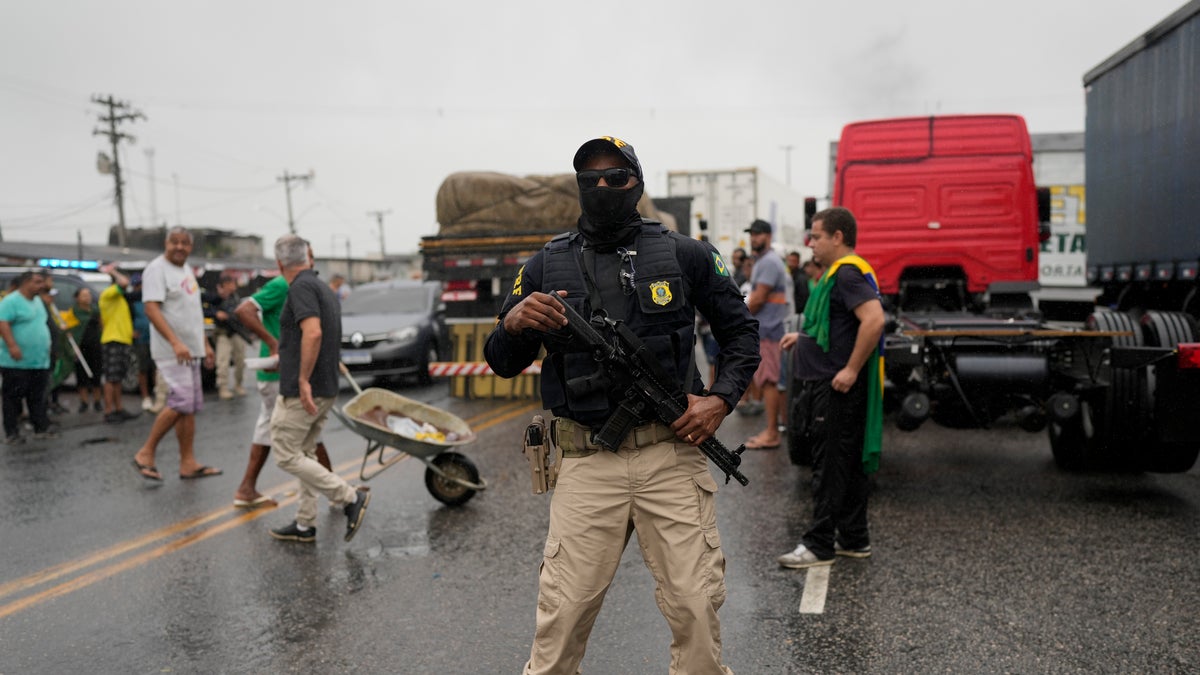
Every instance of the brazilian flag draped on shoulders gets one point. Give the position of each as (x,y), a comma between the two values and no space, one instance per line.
(816,325)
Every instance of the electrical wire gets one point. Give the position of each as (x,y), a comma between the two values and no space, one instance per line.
(26,222)
(198,188)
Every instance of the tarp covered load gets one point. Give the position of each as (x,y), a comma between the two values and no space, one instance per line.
(471,203)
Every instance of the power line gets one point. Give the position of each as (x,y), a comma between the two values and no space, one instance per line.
(53,210)
(199,188)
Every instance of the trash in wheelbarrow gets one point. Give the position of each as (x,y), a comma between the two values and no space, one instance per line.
(407,427)
(450,477)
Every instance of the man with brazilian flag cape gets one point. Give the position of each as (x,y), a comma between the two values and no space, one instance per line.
(839,364)
(816,326)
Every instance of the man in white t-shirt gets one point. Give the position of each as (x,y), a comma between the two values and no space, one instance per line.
(177,345)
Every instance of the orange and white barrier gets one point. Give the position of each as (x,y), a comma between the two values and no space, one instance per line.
(453,368)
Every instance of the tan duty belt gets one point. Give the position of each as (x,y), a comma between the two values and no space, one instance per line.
(575,439)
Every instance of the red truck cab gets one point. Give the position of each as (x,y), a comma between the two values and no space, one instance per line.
(946,206)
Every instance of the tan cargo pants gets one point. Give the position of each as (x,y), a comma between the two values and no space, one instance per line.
(230,346)
(294,435)
(664,491)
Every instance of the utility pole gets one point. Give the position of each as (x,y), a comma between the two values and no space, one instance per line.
(118,111)
(379,219)
(153,189)
(787,162)
(178,220)
(287,179)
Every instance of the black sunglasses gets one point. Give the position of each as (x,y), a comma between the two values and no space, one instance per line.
(616,177)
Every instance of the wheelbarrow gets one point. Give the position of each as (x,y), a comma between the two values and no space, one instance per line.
(449,476)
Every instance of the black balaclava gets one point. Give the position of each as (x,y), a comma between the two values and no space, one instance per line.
(610,217)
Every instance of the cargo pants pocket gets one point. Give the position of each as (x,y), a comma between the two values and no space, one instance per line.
(712,558)
(549,576)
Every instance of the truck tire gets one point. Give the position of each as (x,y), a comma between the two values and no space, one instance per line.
(1121,418)
(1169,329)
(1111,418)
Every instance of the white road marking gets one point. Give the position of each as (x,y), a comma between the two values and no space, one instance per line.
(816,584)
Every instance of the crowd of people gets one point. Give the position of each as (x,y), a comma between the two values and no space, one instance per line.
(42,347)
(825,313)
(160,314)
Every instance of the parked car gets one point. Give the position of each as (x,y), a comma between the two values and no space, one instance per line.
(394,328)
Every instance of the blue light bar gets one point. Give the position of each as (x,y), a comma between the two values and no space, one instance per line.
(68,264)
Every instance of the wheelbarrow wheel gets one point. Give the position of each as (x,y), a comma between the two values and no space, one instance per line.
(447,491)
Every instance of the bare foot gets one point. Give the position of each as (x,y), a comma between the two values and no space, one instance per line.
(763,441)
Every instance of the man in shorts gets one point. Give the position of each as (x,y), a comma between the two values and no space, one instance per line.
(259,313)
(116,341)
(769,302)
(172,299)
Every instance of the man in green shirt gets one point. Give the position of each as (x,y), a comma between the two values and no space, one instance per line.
(260,314)
(24,357)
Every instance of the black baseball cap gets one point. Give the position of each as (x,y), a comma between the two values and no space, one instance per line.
(607,145)
(759,227)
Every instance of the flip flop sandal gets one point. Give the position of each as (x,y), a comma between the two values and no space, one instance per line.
(202,472)
(143,468)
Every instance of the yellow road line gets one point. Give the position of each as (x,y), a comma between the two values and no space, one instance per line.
(58,571)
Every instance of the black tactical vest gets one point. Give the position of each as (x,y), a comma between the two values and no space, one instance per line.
(658,311)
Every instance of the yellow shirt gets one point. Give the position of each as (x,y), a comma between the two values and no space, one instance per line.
(115,317)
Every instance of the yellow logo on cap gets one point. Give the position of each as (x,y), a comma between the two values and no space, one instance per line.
(615,141)
(660,293)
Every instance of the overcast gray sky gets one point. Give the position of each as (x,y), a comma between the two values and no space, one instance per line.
(384,99)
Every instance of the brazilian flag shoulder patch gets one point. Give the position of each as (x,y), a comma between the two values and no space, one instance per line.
(719,264)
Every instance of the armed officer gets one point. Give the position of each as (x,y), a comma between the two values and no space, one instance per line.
(621,266)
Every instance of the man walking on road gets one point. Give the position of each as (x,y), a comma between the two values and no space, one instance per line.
(269,302)
(838,358)
(310,336)
(172,299)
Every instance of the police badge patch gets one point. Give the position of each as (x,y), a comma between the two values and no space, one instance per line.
(719,264)
(660,293)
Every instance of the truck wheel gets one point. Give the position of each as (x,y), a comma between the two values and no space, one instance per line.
(1123,416)
(1169,329)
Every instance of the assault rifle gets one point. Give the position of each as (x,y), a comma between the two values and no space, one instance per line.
(631,372)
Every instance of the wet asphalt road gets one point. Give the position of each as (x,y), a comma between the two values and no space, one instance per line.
(987,559)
